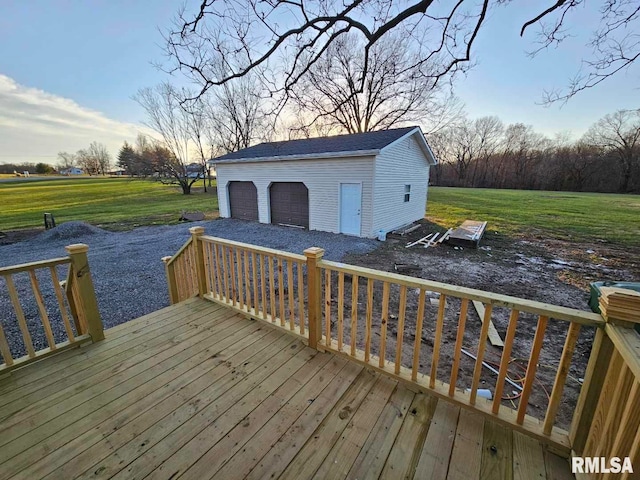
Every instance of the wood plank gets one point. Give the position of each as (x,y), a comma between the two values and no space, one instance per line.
(557,468)
(434,458)
(368,321)
(528,458)
(629,424)
(466,456)
(374,452)
(124,455)
(249,344)
(258,249)
(482,341)
(281,312)
(263,287)
(232,274)
(17,309)
(26,267)
(272,291)
(405,453)
(345,450)
(283,451)
(44,316)
(497,452)
(225,274)
(354,313)
(215,446)
(4,348)
(309,458)
(247,280)
(437,342)
(462,319)
(494,336)
(241,283)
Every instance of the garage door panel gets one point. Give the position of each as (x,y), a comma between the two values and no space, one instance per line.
(243,200)
(289,202)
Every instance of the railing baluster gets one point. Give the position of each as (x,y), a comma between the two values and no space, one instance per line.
(247,281)
(327,306)
(254,285)
(281,293)
(418,337)
(4,348)
(561,376)
(44,316)
(63,310)
(437,342)
(340,310)
(263,287)
(399,338)
(272,290)
(531,368)
(301,296)
(291,295)
(354,313)
(232,270)
(239,271)
(22,322)
(225,273)
(384,320)
(504,361)
(624,438)
(369,320)
(464,306)
(477,370)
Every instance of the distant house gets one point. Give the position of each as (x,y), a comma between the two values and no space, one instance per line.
(358,184)
(71,171)
(117,173)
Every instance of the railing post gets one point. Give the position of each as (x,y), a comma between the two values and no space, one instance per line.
(196,233)
(170,270)
(86,291)
(314,285)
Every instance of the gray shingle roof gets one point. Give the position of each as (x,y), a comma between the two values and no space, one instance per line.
(320,145)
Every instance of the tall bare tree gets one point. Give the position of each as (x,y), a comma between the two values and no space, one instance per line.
(166,115)
(250,35)
(619,135)
(393,93)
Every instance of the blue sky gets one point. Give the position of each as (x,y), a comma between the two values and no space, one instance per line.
(68,70)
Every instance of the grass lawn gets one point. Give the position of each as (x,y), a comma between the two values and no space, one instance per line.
(99,201)
(564,215)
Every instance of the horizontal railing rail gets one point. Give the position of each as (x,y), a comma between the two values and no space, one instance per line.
(40,303)
(420,332)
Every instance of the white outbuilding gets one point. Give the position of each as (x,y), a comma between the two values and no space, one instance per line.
(360,184)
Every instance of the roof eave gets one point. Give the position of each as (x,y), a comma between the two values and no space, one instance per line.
(309,156)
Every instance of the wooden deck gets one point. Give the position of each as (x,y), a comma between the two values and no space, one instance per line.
(197,391)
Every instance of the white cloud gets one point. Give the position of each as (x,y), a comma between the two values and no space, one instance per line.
(36,125)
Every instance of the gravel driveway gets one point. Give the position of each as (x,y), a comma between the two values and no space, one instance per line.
(127,271)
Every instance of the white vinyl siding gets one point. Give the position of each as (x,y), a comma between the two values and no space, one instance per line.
(401,169)
(322,178)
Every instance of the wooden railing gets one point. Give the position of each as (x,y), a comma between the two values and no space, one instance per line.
(58,302)
(418,332)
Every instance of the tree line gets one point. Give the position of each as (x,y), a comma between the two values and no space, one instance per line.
(485,153)
(94,160)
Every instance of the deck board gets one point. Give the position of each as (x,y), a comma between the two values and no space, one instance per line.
(196,391)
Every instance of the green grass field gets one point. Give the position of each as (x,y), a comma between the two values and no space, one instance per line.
(562,215)
(120,202)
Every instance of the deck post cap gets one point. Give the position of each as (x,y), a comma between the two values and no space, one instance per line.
(314,252)
(196,231)
(77,248)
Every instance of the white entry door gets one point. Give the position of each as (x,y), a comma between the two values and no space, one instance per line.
(350,208)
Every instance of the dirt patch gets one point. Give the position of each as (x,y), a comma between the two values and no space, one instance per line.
(551,271)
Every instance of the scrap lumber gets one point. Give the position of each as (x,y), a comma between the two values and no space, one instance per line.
(406,267)
(432,240)
(422,241)
(406,229)
(445,237)
(468,234)
(494,336)
(620,304)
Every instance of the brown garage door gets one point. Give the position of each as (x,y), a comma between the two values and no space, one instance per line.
(289,203)
(243,200)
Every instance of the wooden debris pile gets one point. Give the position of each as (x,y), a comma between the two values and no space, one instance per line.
(620,304)
(430,240)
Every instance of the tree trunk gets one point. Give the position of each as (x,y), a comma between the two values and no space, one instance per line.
(186,186)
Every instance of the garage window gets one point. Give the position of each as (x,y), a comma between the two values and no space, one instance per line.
(407,193)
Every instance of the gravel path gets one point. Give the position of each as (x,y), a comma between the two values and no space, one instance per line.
(127,271)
